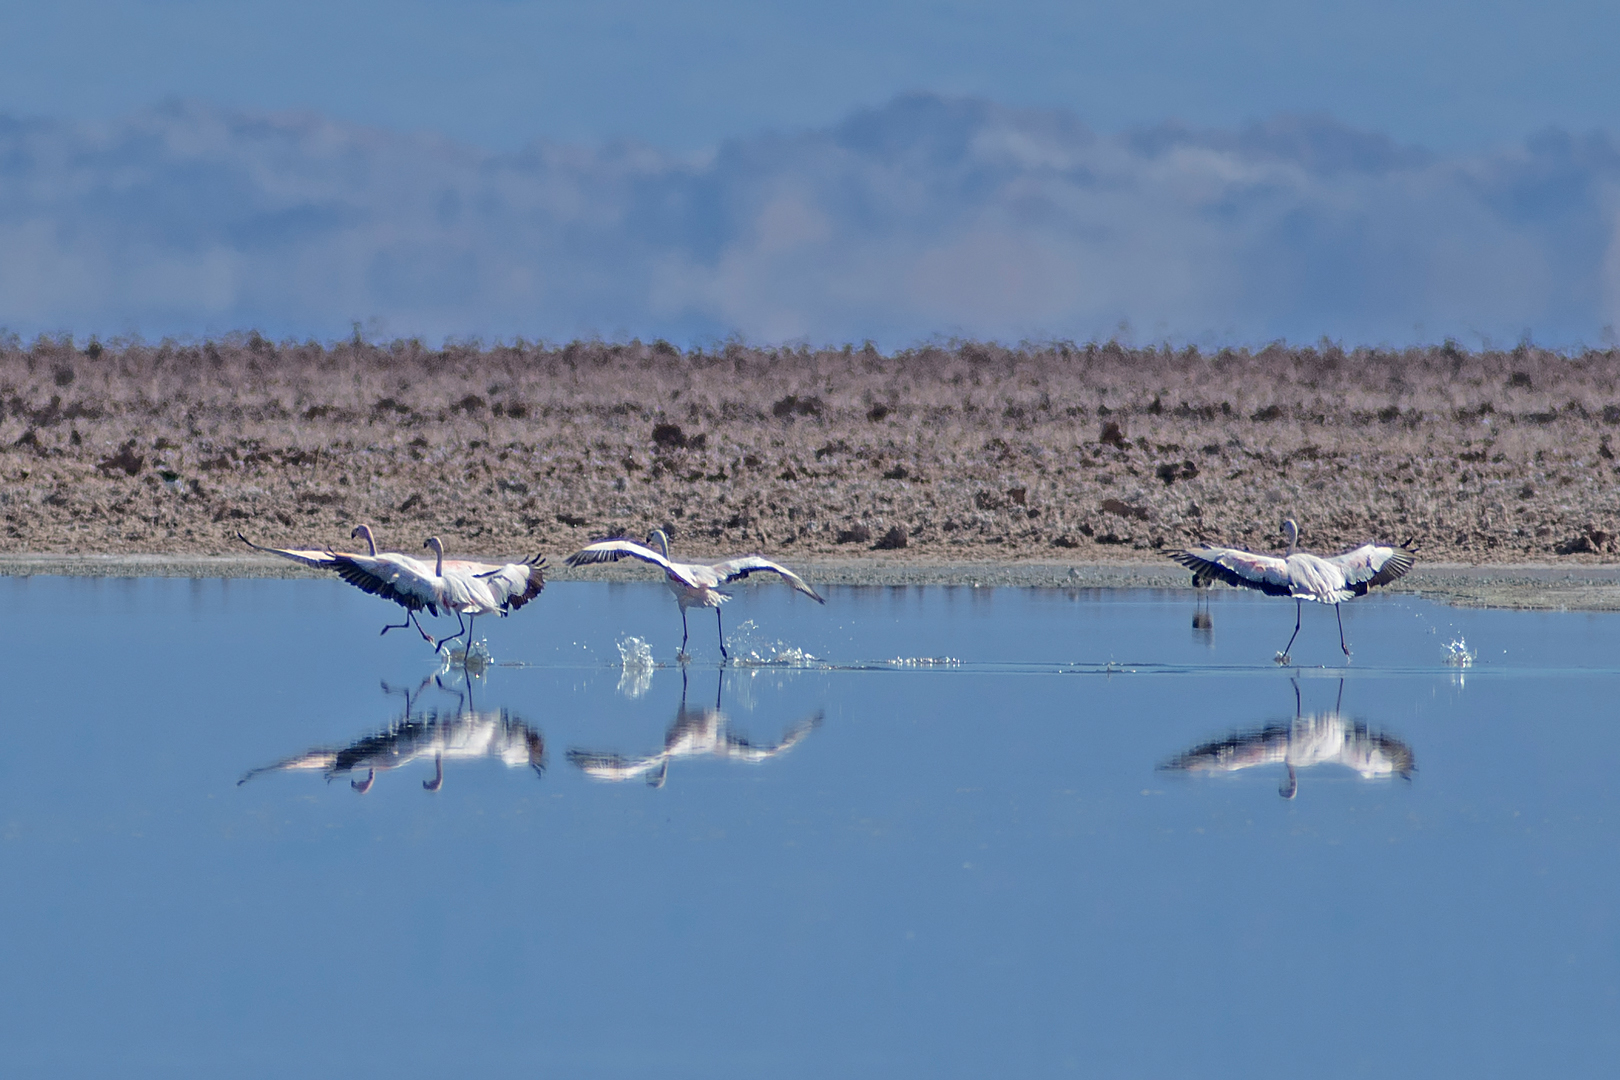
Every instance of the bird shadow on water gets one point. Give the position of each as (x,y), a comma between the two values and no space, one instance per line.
(424,734)
(1308,740)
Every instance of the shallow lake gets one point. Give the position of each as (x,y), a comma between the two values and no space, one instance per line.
(916,832)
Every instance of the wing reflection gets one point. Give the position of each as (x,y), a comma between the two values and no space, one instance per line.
(1326,738)
(696,732)
(438,735)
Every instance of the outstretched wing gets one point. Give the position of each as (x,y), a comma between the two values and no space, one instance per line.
(733,569)
(515,584)
(614,550)
(1241,568)
(321,560)
(1371,565)
(393,577)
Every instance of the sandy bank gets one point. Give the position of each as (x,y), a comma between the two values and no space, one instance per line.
(1053,465)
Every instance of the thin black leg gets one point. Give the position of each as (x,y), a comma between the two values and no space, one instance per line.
(1299,613)
(1340,614)
(722,632)
(462,624)
(683,630)
(427,637)
(398,626)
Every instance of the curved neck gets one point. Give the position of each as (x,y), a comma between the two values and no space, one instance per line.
(438,553)
(660,541)
(1293,535)
(364,532)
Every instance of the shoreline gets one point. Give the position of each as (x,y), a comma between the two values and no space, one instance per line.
(1521,586)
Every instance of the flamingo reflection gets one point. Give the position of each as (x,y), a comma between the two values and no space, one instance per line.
(1316,739)
(463,735)
(696,732)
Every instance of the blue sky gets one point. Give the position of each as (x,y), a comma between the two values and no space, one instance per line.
(716,181)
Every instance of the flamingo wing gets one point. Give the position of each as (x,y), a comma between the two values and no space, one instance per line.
(320,559)
(734,569)
(515,584)
(1241,568)
(399,578)
(614,550)
(1371,565)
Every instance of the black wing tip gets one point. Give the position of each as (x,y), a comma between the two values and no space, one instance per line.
(586,558)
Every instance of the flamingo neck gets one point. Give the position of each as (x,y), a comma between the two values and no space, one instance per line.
(438,557)
(364,533)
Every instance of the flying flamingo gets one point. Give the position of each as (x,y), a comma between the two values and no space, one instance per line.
(693,584)
(1301,575)
(458,586)
(512,584)
(454,585)
(326,559)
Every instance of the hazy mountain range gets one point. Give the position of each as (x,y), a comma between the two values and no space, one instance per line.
(926,217)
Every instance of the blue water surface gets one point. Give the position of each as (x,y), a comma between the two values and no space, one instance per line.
(916,832)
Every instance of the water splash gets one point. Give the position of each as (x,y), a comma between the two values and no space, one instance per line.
(1458,654)
(748,649)
(475,658)
(637,657)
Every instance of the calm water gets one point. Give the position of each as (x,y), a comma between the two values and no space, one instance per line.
(936,836)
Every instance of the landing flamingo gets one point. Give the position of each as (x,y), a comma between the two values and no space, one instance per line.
(1301,575)
(694,584)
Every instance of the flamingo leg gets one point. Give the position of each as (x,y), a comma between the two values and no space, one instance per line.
(427,637)
(722,631)
(1342,645)
(396,626)
(1299,613)
(683,630)
(462,624)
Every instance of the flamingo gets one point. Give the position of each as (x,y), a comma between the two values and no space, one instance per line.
(464,588)
(1301,575)
(327,559)
(455,585)
(513,584)
(693,584)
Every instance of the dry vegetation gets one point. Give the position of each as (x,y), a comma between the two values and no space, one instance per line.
(966,452)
